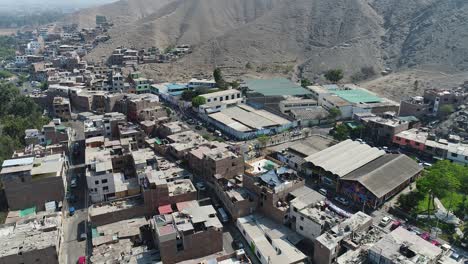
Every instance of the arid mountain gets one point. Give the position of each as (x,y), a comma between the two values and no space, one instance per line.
(293,37)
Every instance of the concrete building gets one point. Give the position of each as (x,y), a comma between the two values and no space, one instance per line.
(196,83)
(53,133)
(123,242)
(179,235)
(171,128)
(330,245)
(236,199)
(308,214)
(458,153)
(351,99)
(296,103)
(309,117)
(33,181)
(382,130)
(271,243)
(61,108)
(414,106)
(181,143)
(214,161)
(438,98)
(244,122)
(272,184)
(31,240)
(403,246)
(103,125)
(218,101)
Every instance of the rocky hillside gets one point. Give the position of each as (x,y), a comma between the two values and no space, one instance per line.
(293,37)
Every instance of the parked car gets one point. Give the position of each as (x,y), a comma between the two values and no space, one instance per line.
(425,236)
(73,182)
(222,215)
(435,243)
(342,201)
(81,260)
(395,225)
(323,192)
(71,211)
(237,244)
(456,256)
(82,237)
(200,186)
(385,221)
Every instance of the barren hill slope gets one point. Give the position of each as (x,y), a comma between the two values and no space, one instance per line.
(313,35)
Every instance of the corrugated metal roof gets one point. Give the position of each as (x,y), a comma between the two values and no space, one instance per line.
(344,157)
(275,87)
(384,174)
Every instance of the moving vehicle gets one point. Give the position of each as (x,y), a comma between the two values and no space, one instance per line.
(73,182)
(323,192)
(342,201)
(200,186)
(222,215)
(237,244)
(385,221)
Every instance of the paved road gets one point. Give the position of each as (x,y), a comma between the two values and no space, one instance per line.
(74,226)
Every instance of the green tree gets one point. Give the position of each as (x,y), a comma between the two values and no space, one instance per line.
(44,86)
(235,85)
(305,82)
(447,109)
(248,65)
(334,113)
(439,180)
(198,100)
(409,201)
(341,132)
(334,76)
(219,79)
(5,74)
(263,140)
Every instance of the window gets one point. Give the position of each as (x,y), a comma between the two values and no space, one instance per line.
(417,144)
(302,218)
(454,155)
(294,209)
(258,255)
(104,181)
(227,97)
(105,188)
(238,95)
(407,140)
(301,228)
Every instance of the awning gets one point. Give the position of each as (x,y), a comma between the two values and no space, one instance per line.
(165,209)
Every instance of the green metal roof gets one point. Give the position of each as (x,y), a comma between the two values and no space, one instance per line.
(275,87)
(357,96)
(157,141)
(27,211)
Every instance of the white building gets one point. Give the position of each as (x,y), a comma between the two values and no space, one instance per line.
(194,83)
(21,60)
(271,242)
(221,100)
(458,153)
(99,174)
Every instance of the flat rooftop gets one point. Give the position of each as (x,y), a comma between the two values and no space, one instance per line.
(30,234)
(275,87)
(282,239)
(181,186)
(357,96)
(105,208)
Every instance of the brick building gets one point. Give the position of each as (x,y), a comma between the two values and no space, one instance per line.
(191,233)
(33,181)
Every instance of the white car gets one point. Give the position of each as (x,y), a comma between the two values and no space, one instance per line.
(385,221)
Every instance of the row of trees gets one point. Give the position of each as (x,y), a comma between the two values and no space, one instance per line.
(7,47)
(17,113)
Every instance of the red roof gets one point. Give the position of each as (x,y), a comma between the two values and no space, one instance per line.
(165,209)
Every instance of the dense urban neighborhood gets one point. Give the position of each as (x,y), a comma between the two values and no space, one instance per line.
(100,164)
